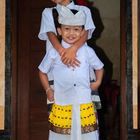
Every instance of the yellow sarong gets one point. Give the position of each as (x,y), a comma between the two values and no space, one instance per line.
(61,116)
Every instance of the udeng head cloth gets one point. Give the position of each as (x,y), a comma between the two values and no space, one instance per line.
(66,17)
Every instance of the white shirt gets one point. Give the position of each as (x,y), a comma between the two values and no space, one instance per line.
(71,85)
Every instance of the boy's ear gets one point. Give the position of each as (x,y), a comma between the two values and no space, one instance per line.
(59,31)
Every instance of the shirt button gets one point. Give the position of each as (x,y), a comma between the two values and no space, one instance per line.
(74,84)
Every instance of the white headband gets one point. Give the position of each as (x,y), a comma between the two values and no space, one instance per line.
(66,17)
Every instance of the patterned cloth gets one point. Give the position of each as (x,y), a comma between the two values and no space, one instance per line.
(61,117)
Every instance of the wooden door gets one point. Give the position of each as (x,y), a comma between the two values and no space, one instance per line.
(31,111)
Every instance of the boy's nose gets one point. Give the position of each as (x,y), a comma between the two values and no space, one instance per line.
(71,32)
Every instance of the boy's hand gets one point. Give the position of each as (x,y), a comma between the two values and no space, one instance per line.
(94,85)
(50,94)
(68,57)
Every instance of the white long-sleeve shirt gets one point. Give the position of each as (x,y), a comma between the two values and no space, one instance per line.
(71,85)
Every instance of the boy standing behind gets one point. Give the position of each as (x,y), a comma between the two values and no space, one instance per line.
(73,115)
(48,32)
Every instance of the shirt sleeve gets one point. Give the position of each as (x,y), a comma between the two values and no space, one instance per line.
(47,24)
(93,59)
(89,25)
(47,63)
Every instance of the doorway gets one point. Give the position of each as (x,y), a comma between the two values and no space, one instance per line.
(29,101)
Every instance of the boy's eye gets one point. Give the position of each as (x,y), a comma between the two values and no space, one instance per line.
(77,29)
(66,29)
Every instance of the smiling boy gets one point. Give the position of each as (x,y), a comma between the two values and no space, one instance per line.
(73,114)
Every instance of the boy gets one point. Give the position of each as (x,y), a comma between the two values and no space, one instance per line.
(48,32)
(73,115)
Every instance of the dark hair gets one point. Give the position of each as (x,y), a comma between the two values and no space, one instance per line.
(74,11)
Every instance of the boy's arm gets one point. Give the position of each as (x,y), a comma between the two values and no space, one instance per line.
(99,76)
(45,83)
(55,42)
(69,57)
(62,51)
(82,40)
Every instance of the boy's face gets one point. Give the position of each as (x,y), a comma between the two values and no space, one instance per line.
(61,2)
(70,34)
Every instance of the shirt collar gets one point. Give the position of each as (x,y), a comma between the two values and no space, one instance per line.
(65,45)
(70,6)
